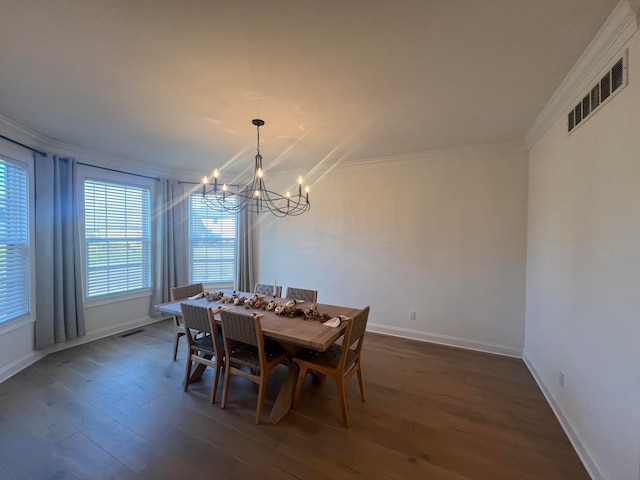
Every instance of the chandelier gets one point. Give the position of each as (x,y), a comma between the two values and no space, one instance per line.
(254,197)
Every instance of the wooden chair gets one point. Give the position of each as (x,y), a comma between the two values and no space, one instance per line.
(302,294)
(267,290)
(252,351)
(339,362)
(204,341)
(179,293)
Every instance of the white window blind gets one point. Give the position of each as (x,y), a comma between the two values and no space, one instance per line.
(117,235)
(212,243)
(14,241)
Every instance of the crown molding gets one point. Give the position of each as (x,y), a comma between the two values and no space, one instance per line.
(29,137)
(409,159)
(621,25)
(102,159)
(22,134)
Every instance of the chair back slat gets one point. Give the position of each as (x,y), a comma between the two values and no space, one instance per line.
(266,289)
(239,327)
(186,291)
(196,317)
(295,293)
(359,325)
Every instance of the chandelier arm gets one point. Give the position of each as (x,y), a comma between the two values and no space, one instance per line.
(255,196)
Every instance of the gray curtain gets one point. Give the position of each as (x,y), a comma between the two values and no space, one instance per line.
(59,292)
(244,265)
(169,265)
(164,267)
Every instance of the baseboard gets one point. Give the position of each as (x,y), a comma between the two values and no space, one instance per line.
(32,357)
(105,332)
(578,445)
(8,371)
(445,340)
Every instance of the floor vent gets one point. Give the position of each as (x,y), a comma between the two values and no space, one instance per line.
(132,332)
(609,85)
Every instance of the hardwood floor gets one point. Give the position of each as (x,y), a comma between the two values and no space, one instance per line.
(115,408)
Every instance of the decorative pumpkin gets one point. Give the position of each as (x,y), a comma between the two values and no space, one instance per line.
(311,311)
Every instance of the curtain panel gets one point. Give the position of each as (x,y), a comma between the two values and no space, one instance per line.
(245,268)
(170,255)
(59,291)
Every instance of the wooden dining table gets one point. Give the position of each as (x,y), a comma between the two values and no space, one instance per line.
(293,334)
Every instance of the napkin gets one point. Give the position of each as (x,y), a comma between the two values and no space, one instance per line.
(196,296)
(334,322)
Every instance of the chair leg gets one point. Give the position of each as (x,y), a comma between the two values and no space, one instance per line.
(261,390)
(299,382)
(343,400)
(360,381)
(216,377)
(187,373)
(225,387)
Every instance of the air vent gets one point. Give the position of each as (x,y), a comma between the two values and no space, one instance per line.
(609,84)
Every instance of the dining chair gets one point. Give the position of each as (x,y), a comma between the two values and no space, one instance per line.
(179,293)
(251,350)
(302,294)
(204,340)
(266,289)
(340,362)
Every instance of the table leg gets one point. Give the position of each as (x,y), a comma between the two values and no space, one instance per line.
(282,404)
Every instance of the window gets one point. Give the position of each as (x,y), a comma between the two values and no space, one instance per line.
(117,235)
(212,243)
(14,241)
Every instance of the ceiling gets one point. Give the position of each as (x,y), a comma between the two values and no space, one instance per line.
(177,83)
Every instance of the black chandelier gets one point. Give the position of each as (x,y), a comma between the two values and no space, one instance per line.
(254,197)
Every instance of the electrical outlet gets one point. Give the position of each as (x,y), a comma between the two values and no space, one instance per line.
(412,315)
(561,378)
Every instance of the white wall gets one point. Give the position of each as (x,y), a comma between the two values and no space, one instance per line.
(443,235)
(583,277)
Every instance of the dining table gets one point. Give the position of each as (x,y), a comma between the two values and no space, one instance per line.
(293,333)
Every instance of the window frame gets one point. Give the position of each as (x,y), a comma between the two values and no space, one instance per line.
(17,156)
(87,172)
(214,283)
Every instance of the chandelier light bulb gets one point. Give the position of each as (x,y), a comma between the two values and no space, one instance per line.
(205,180)
(306,189)
(260,172)
(224,187)
(300,180)
(215,173)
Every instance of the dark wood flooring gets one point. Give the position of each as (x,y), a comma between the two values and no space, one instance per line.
(115,408)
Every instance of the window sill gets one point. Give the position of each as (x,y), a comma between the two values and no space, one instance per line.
(116,298)
(14,324)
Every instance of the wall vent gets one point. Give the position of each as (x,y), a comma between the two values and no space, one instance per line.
(610,84)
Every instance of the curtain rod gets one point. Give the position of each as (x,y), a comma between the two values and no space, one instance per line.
(42,154)
(119,171)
